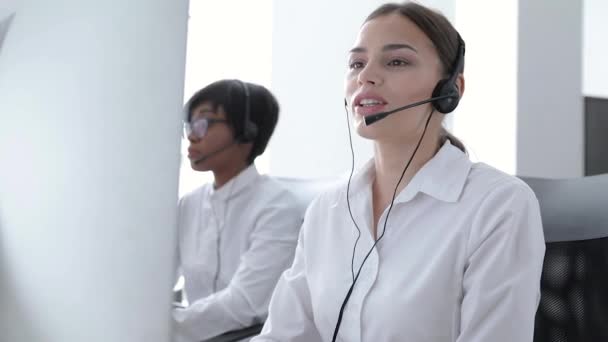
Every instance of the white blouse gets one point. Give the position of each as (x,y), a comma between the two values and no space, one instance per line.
(234,243)
(460,261)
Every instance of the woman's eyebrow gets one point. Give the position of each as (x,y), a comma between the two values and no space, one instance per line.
(387,47)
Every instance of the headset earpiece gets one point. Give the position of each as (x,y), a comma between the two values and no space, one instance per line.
(250,129)
(448,87)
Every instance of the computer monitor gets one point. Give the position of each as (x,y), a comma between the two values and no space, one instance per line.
(90,102)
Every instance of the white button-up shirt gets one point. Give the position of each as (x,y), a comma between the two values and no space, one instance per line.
(461,261)
(234,243)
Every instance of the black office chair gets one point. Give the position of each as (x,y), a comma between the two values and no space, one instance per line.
(238,335)
(231,336)
(574,283)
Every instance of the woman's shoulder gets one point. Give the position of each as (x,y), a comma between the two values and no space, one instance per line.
(502,204)
(193,197)
(189,203)
(273,189)
(484,180)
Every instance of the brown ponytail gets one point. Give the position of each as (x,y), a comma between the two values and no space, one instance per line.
(445,135)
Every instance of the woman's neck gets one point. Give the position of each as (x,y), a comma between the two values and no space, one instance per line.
(390,158)
(224,175)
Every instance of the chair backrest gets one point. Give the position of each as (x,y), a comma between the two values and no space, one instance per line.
(574,283)
(306,190)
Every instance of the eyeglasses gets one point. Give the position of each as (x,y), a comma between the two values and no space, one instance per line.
(199,127)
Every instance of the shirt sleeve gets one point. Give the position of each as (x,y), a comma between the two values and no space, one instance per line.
(290,315)
(245,300)
(501,283)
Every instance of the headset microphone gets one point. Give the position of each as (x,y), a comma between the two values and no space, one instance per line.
(379,116)
(211,154)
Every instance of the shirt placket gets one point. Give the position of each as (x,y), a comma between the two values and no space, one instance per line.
(216,225)
(354,308)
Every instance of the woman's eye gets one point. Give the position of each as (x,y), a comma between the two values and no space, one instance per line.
(355,65)
(398,62)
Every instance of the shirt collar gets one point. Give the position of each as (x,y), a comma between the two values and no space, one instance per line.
(237,184)
(363,178)
(442,177)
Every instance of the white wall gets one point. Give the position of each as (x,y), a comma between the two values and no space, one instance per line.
(90,95)
(487,115)
(550,106)
(595,49)
(310,44)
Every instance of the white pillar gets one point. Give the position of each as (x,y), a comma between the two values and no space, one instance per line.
(595,49)
(550,118)
(522,111)
(90,95)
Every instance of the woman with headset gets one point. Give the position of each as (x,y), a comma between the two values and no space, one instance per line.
(421,244)
(237,235)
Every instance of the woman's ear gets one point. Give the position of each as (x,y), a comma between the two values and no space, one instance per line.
(460,84)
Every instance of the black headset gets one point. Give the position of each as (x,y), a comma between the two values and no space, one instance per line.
(447,87)
(250,129)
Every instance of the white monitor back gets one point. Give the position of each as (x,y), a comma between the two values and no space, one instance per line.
(90,99)
(5,23)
